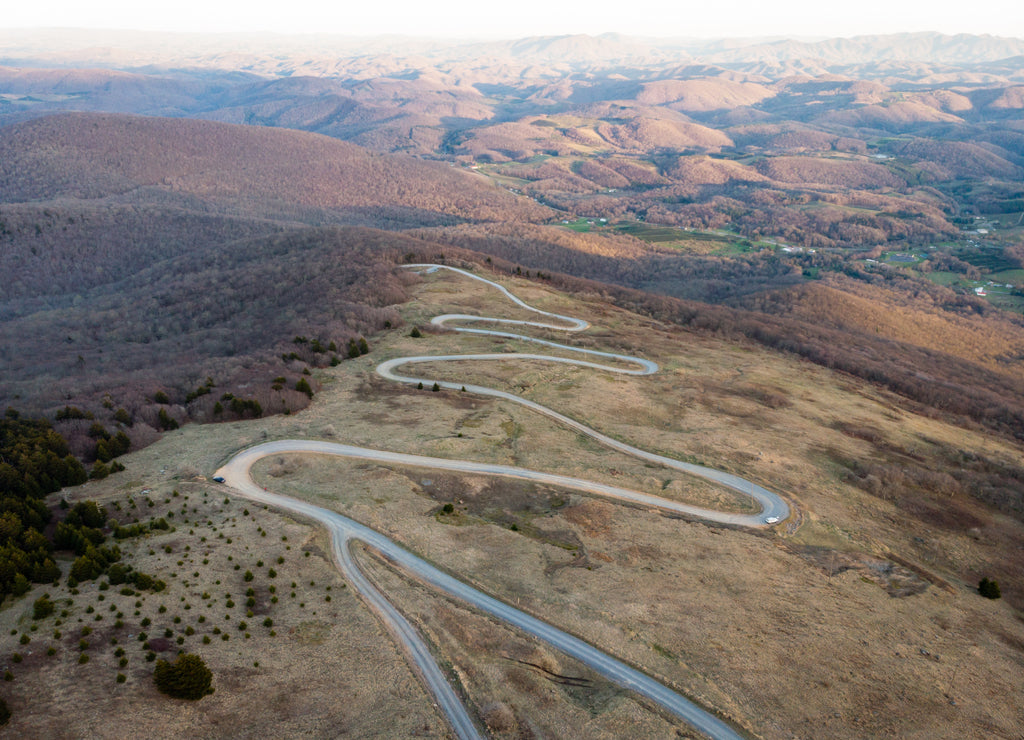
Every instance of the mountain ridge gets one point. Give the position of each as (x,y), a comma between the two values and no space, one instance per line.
(170,50)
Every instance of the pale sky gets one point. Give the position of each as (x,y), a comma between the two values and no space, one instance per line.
(517,18)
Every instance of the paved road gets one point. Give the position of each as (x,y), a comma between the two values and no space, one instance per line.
(345,531)
(773,508)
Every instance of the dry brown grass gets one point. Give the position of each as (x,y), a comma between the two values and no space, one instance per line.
(306,680)
(790,634)
(522,689)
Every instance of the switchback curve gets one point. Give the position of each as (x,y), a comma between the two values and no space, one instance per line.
(344,531)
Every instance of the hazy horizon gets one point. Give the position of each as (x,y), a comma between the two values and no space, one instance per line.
(462,20)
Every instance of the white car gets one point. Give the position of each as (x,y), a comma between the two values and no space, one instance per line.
(771,520)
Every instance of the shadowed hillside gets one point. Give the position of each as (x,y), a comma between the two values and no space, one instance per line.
(197,325)
(148,261)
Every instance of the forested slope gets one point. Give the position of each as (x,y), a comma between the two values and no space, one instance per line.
(150,261)
(246,169)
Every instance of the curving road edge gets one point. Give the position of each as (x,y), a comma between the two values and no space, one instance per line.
(344,531)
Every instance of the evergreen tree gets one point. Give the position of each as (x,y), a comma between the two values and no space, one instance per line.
(87,513)
(98,431)
(166,421)
(43,607)
(103,453)
(989,589)
(186,678)
(119,444)
(20,585)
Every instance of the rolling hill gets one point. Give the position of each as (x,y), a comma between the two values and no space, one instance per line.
(129,158)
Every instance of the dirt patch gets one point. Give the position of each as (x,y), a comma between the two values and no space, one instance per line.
(950,513)
(160,644)
(284,465)
(769,396)
(519,506)
(491,497)
(897,580)
(593,517)
(311,633)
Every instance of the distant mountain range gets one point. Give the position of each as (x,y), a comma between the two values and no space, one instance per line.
(270,54)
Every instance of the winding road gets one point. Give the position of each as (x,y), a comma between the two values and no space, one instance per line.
(344,531)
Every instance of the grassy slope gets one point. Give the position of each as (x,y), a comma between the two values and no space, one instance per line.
(746,623)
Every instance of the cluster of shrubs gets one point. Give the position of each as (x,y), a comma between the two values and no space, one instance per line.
(241,407)
(35,461)
(138,529)
(203,390)
(165,421)
(108,446)
(82,532)
(119,573)
(312,348)
(43,607)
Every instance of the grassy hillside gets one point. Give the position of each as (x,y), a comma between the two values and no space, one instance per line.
(864,605)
